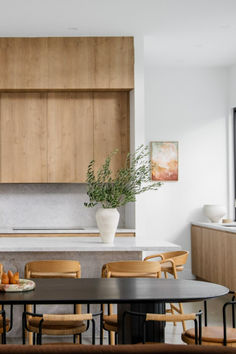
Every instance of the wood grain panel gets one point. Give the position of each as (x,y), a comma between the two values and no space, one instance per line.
(213,256)
(70,136)
(111,127)
(23,138)
(71,63)
(118,234)
(114,62)
(23,63)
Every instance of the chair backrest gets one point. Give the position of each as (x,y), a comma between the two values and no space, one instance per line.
(52,269)
(132,269)
(179,257)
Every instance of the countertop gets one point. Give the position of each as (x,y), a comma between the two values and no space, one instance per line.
(81,244)
(58,231)
(217,226)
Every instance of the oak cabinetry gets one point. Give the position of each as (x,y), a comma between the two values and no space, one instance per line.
(111,127)
(52,137)
(23,63)
(23,138)
(63,102)
(70,136)
(213,255)
(79,63)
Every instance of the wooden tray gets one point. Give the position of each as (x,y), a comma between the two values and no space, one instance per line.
(24,285)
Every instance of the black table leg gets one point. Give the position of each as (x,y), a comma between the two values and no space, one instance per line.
(134,330)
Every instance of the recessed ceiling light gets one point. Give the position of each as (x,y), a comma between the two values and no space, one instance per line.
(72,28)
(225,26)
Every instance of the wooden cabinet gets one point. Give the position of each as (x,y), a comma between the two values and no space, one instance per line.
(70,136)
(52,137)
(213,256)
(23,63)
(23,139)
(111,127)
(63,102)
(78,63)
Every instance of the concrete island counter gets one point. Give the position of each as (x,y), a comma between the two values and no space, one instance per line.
(213,253)
(91,252)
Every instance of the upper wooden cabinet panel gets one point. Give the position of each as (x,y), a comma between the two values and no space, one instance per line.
(65,63)
(91,63)
(23,142)
(23,63)
(70,136)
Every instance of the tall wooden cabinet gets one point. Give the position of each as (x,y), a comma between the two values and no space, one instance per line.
(23,138)
(63,102)
(70,135)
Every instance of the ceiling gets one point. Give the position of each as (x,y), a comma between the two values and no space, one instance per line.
(176,32)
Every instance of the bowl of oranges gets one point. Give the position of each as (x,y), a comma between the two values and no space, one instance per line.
(11,282)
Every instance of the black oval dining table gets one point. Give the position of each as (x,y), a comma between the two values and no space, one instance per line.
(135,294)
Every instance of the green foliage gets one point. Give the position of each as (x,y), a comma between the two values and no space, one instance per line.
(129,181)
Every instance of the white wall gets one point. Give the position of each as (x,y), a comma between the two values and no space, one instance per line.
(189,106)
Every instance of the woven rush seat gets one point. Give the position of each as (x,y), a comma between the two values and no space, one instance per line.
(50,326)
(7,325)
(212,335)
(110,322)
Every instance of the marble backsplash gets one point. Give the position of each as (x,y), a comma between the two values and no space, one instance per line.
(47,205)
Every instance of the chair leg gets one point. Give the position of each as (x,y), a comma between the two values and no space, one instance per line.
(172,312)
(23,328)
(112,334)
(182,312)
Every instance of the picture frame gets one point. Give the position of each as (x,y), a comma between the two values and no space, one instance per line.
(165,160)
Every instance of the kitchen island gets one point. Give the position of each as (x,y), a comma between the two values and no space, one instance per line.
(91,252)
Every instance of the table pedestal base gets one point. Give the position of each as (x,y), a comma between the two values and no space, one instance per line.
(133,325)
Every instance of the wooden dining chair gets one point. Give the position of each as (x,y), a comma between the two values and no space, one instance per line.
(5,323)
(213,335)
(153,317)
(172,263)
(125,269)
(54,324)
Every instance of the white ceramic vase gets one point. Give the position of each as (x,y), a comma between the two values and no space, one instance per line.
(214,212)
(107,222)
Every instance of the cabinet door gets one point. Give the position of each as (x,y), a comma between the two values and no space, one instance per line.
(111,127)
(91,63)
(23,138)
(114,63)
(70,136)
(71,63)
(23,63)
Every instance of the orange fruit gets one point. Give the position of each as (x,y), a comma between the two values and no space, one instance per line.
(10,276)
(15,279)
(5,278)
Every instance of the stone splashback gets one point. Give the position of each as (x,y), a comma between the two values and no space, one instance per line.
(47,205)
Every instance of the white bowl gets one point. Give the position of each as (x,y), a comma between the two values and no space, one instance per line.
(214,212)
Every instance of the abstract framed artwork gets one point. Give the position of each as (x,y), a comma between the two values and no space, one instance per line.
(164,159)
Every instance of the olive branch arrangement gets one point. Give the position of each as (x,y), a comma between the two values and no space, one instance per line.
(129,181)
